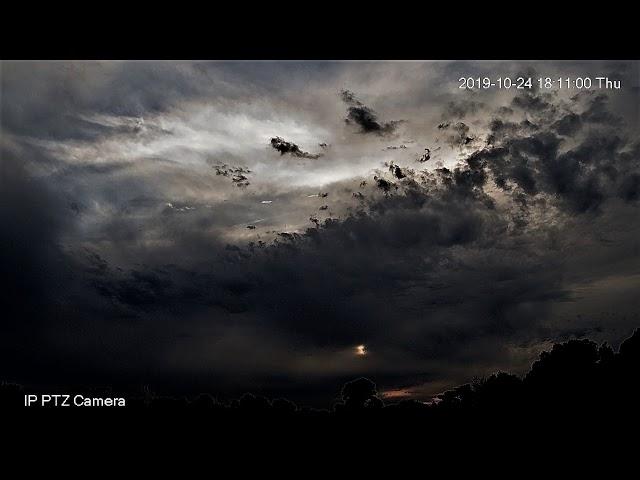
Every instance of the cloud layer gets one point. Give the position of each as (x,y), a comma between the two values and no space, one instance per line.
(176,235)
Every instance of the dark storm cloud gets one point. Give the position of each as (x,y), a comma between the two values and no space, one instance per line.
(34,268)
(365,118)
(61,94)
(441,240)
(32,212)
(568,125)
(460,109)
(398,260)
(597,112)
(76,301)
(533,101)
(602,165)
(284,147)
(458,134)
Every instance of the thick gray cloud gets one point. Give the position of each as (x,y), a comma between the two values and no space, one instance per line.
(134,256)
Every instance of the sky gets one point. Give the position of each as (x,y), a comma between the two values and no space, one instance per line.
(282,227)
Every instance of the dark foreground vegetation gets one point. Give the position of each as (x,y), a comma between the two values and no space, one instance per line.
(574,381)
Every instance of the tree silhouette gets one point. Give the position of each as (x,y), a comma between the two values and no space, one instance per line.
(574,380)
(360,394)
(564,377)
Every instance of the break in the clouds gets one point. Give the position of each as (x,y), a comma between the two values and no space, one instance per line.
(162,223)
